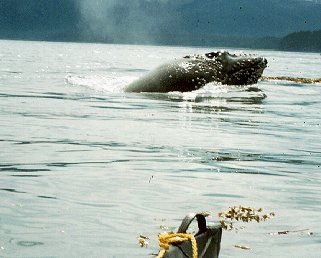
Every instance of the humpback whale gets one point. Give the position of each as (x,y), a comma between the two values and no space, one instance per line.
(193,72)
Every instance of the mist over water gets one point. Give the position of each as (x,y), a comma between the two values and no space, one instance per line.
(123,21)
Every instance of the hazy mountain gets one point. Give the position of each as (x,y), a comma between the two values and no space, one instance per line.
(156,21)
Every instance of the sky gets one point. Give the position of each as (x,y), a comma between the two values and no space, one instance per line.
(154,21)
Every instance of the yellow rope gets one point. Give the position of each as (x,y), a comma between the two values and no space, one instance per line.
(293,79)
(166,239)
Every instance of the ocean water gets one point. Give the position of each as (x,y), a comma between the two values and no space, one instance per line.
(86,168)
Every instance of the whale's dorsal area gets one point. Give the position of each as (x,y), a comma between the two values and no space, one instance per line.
(193,72)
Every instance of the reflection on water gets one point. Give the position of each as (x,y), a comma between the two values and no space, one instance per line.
(85,168)
(215,99)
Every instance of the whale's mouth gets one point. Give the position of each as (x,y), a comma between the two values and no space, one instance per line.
(240,69)
(246,71)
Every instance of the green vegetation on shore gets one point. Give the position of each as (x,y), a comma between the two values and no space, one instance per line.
(302,41)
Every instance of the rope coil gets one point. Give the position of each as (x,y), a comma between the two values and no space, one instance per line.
(166,239)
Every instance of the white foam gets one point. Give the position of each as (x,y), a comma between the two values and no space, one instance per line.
(100,82)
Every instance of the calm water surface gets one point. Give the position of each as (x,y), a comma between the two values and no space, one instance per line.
(85,168)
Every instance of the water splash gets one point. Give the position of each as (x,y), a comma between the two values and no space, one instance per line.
(100,83)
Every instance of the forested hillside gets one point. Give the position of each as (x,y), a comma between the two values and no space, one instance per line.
(302,41)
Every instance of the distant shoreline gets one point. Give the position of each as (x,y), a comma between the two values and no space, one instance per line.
(303,41)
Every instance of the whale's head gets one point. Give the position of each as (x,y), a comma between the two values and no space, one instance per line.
(238,69)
